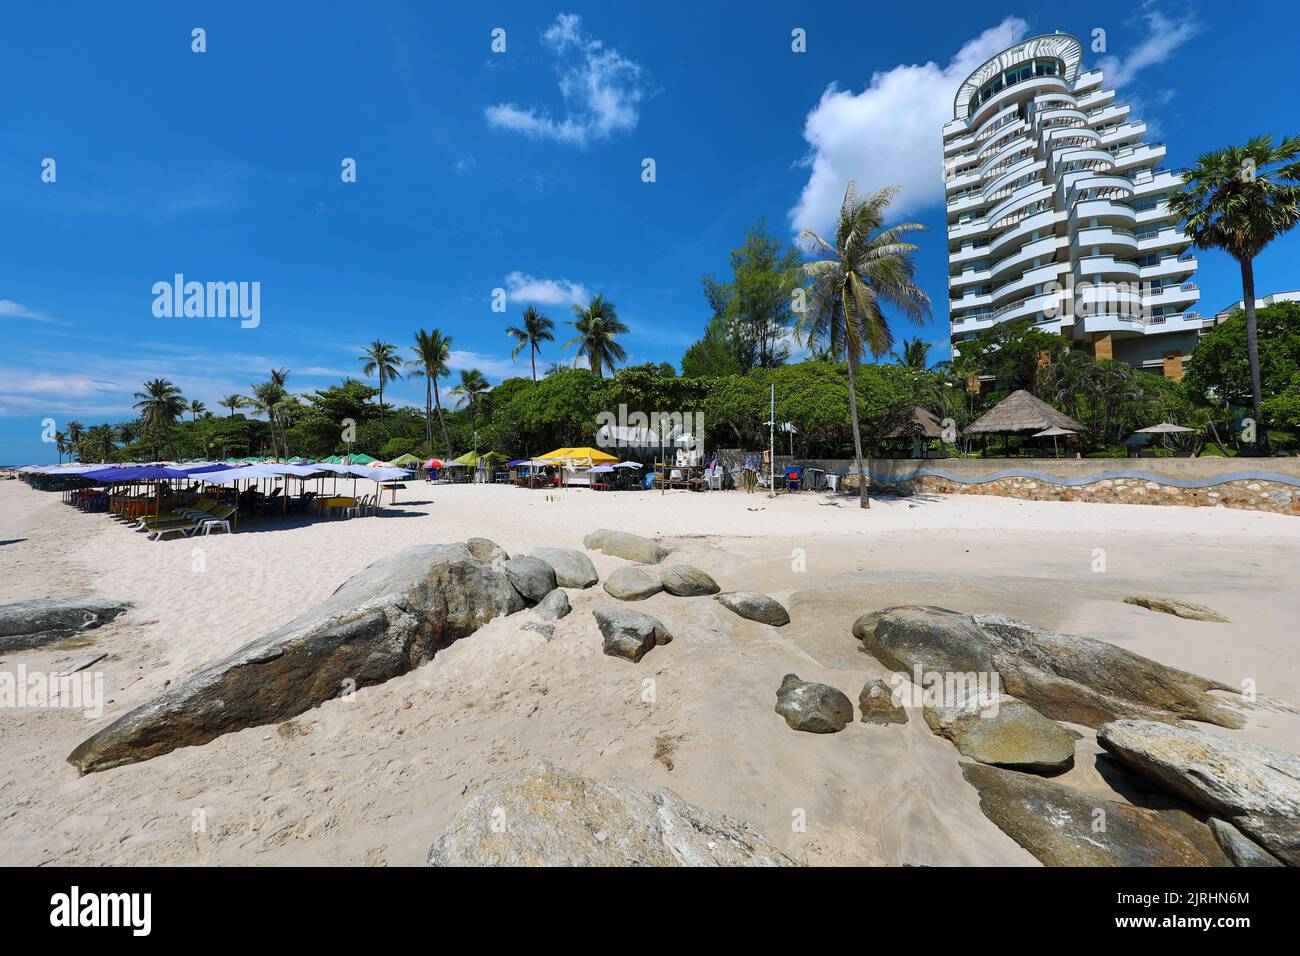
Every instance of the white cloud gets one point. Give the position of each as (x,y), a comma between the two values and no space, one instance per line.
(16,310)
(1163,35)
(889,134)
(494,367)
(521,287)
(465,164)
(601,90)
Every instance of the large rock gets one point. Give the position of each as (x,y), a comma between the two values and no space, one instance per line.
(633,584)
(1062,676)
(1186,609)
(684,580)
(383,621)
(629,634)
(754,606)
(1066,827)
(487,551)
(1241,849)
(550,817)
(622,544)
(1000,730)
(812,707)
(1255,788)
(36,623)
(533,578)
(573,569)
(554,606)
(877,704)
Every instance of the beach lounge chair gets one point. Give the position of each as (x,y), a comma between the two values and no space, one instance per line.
(220,515)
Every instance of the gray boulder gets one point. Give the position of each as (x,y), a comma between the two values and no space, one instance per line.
(487,551)
(383,621)
(812,707)
(1184,609)
(684,580)
(554,606)
(1062,676)
(1241,849)
(629,634)
(622,544)
(1255,788)
(550,817)
(1000,730)
(573,569)
(633,584)
(877,704)
(544,628)
(29,624)
(532,577)
(1063,827)
(754,606)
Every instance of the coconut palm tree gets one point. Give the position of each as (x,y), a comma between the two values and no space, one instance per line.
(381,360)
(99,442)
(597,324)
(868,267)
(1239,200)
(60,444)
(472,385)
(432,352)
(914,355)
(234,403)
(160,404)
(265,398)
(196,409)
(76,432)
(535,330)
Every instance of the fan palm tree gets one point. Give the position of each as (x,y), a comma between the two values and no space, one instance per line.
(234,403)
(535,330)
(432,352)
(472,386)
(868,267)
(597,324)
(160,404)
(1239,200)
(381,360)
(197,408)
(914,355)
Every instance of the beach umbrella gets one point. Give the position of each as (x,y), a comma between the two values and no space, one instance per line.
(628,464)
(1054,431)
(1164,428)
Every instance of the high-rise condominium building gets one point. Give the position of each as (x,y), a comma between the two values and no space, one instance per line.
(1057,212)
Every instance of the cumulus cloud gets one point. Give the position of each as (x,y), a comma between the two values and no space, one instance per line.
(495,367)
(1162,36)
(601,90)
(521,287)
(889,134)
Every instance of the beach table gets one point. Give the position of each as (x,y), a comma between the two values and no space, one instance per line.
(328,505)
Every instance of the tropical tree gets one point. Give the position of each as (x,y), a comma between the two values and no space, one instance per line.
(915,354)
(76,431)
(535,330)
(381,359)
(98,442)
(432,352)
(60,444)
(1239,200)
(234,403)
(597,324)
(160,404)
(196,409)
(472,385)
(868,267)
(266,399)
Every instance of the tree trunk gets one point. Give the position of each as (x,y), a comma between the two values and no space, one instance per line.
(428,412)
(437,402)
(1252,345)
(533,351)
(381,400)
(863,500)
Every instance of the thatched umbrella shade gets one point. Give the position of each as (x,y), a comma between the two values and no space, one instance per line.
(1020,412)
(920,422)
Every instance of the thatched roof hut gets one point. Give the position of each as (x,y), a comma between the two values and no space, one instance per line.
(1020,412)
(920,423)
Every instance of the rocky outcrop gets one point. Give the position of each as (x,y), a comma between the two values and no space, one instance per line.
(812,707)
(550,817)
(1255,788)
(877,704)
(629,634)
(533,578)
(754,606)
(487,551)
(1000,730)
(633,584)
(684,580)
(573,569)
(385,620)
(1239,848)
(1066,827)
(1062,676)
(554,606)
(1186,609)
(29,624)
(622,544)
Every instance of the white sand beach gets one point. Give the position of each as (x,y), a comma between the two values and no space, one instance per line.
(372,780)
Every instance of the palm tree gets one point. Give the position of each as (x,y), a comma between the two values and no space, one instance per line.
(472,385)
(126,433)
(197,408)
(60,444)
(868,266)
(269,398)
(536,330)
(234,403)
(914,354)
(597,324)
(1239,200)
(279,378)
(381,360)
(432,352)
(99,441)
(160,405)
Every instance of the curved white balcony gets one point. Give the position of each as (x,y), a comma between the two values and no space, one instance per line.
(1106,269)
(1147,154)
(1101,212)
(1108,297)
(1013,237)
(969,277)
(968,230)
(1119,324)
(1029,166)
(1123,133)
(1170,267)
(1019,198)
(1047,304)
(960,256)
(991,126)
(1170,238)
(1030,280)
(1014,93)
(1106,239)
(1182,295)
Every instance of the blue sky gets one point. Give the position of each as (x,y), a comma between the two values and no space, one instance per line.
(478,170)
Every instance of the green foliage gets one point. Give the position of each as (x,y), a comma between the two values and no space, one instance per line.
(1219,368)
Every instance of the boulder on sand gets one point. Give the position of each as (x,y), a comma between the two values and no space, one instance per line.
(1062,676)
(487,551)
(383,621)
(1062,826)
(1241,849)
(629,634)
(554,606)
(812,707)
(1184,609)
(877,704)
(550,817)
(633,584)
(573,569)
(622,544)
(754,606)
(684,580)
(1255,788)
(29,624)
(533,578)
(1000,730)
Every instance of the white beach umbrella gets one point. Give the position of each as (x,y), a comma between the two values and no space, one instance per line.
(1164,428)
